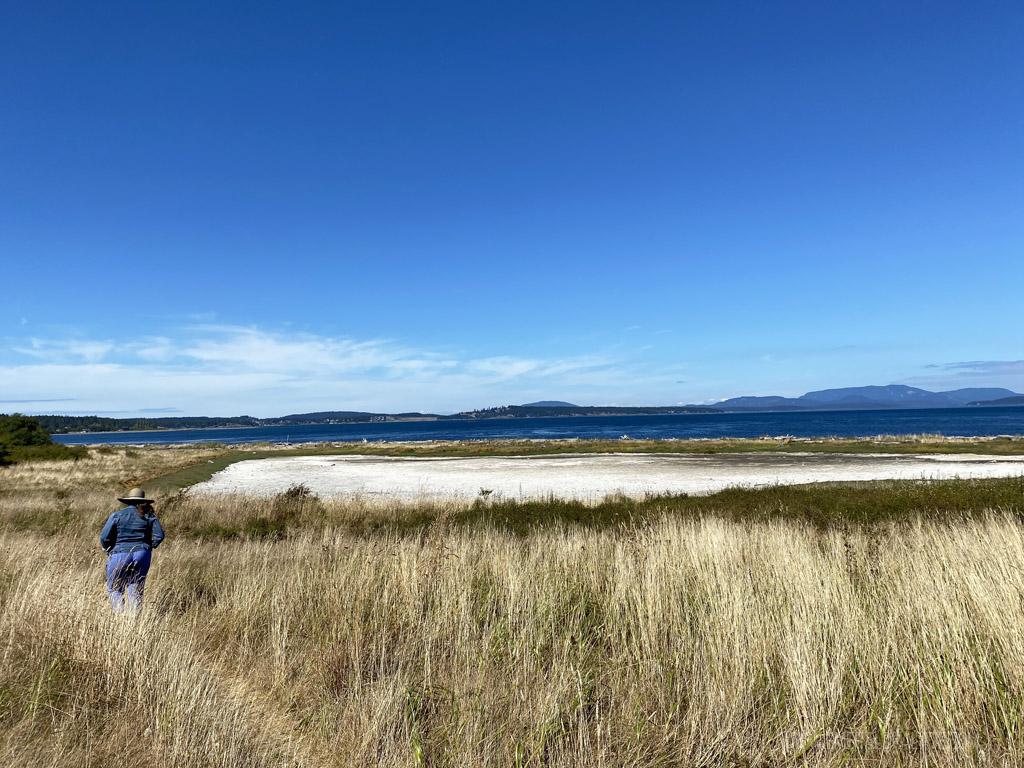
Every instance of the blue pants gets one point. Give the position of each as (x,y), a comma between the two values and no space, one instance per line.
(126,578)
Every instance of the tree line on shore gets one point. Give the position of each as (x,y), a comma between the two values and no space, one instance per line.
(58,424)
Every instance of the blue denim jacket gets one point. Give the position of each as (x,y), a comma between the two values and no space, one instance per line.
(125,531)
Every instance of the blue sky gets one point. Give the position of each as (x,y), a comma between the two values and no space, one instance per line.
(264,208)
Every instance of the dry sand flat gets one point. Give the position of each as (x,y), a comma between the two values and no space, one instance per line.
(588,477)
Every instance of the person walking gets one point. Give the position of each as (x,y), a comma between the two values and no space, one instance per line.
(129,538)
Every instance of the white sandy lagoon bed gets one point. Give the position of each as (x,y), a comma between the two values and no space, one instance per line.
(587,477)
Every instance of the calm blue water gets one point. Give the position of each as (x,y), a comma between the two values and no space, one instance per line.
(946,421)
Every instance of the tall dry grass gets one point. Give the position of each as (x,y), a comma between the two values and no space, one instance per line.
(105,469)
(687,641)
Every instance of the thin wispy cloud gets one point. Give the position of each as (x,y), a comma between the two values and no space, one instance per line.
(230,369)
(63,350)
(987,373)
(998,367)
(51,400)
(157,349)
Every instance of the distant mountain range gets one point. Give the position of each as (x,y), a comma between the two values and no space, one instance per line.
(848,398)
(1015,400)
(891,396)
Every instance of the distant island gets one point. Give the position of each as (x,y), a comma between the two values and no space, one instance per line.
(848,398)
(874,397)
(67,424)
(1015,400)
(535,410)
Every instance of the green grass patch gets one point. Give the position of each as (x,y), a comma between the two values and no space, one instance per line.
(197,473)
(823,505)
(51,452)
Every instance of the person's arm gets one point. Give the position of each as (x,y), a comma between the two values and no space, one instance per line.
(108,536)
(157,533)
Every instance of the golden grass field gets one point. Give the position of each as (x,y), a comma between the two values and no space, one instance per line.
(704,639)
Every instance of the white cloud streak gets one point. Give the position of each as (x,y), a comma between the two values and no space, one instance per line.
(67,349)
(230,370)
(974,373)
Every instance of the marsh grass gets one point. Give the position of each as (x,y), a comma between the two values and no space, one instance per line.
(51,452)
(864,625)
(105,468)
(81,512)
(681,642)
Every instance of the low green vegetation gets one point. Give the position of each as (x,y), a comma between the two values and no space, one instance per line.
(22,438)
(297,511)
(822,505)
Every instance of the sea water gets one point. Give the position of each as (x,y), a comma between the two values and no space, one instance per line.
(969,422)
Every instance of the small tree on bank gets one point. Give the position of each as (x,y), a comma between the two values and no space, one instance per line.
(23,438)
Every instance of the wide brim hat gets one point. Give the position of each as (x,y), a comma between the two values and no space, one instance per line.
(135,496)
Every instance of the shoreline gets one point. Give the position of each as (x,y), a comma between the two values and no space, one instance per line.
(391,421)
(880,439)
(444,419)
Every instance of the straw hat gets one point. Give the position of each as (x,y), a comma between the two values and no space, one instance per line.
(135,496)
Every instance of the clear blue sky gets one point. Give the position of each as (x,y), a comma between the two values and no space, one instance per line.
(263,208)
